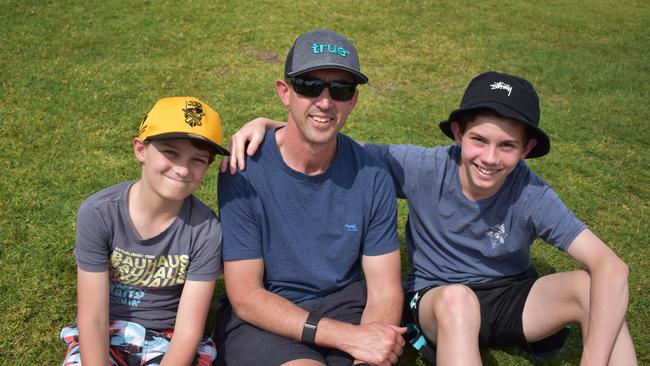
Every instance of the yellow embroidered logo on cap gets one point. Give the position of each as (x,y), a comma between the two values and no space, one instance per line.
(193,113)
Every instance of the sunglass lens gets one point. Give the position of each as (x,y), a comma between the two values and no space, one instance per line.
(313,88)
(341,92)
(308,88)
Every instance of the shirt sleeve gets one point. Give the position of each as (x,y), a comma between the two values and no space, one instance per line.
(552,221)
(93,240)
(382,153)
(382,227)
(206,263)
(407,165)
(241,233)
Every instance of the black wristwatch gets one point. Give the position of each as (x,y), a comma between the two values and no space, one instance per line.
(309,329)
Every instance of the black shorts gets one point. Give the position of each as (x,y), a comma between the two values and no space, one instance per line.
(502,308)
(240,343)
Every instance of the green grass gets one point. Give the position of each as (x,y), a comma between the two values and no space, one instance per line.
(77,77)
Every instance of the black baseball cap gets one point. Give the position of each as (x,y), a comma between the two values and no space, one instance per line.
(323,49)
(509,96)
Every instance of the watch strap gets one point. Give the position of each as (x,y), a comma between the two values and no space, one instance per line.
(309,329)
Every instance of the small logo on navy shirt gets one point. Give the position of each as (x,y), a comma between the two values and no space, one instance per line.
(351,227)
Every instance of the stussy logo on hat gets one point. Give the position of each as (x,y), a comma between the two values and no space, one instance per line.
(193,113)
(501,85)
(317,48)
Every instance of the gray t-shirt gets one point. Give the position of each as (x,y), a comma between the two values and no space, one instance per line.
(452,239)
(146,276)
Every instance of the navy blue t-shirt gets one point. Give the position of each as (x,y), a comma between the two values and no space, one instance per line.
(310,230)
(453,239)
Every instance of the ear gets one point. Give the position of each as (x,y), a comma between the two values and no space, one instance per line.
(138,149)
(284,91)
(529,146)
(455,128)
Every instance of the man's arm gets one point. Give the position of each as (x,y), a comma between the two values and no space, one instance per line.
(92,316)
(259,307)
(608,295)
(385,297)
(190,322)
(255,305)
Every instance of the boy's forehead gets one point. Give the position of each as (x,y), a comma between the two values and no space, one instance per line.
(181,144)
(497,124)
(171,142)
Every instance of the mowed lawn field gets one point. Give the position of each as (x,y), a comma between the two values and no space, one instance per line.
(77,77)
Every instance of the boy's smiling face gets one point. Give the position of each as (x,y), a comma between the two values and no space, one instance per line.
(173,169)
(491,146)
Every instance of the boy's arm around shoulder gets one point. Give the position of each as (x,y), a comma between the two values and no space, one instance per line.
(190,322)
(92,316)
(246,140)
(608,295)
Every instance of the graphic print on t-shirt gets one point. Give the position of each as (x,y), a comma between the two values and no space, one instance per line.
(497,235)
(144,270)
(127,295)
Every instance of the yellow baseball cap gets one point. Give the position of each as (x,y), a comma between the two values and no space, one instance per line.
(183,117)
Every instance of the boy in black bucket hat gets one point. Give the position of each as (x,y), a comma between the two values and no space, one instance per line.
(474,210)
(472,278)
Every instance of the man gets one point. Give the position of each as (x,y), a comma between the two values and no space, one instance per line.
(310,212)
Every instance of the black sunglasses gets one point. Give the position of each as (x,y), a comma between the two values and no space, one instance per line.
(314,87)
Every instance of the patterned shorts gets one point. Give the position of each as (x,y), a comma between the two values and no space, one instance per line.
(132,344)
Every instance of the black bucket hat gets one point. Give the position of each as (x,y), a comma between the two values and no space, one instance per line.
(509,96)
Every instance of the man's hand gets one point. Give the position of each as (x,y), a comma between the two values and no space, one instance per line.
(376,343)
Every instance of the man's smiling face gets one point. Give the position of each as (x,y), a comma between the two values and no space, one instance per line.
(320,118)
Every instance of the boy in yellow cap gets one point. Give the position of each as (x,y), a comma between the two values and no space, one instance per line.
(148,252)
